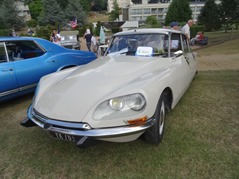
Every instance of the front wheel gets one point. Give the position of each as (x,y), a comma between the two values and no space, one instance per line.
(154,135)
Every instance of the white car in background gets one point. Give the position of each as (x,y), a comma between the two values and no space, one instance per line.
(122,95)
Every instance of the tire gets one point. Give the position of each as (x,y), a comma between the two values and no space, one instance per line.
(154,135)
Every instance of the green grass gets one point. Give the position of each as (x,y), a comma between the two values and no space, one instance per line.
(201,139)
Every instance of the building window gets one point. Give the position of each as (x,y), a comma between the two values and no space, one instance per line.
(147,11)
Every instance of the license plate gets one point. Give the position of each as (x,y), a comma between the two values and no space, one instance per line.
(61,136)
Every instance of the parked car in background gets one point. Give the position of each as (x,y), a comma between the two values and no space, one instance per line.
(69,39)
(120,96)
(24,60)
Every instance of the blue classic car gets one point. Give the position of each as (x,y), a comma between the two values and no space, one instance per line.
(24,60)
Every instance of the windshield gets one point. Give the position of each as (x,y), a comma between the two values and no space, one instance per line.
(138,44)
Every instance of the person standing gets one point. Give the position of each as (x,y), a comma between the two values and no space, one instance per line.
(186,29)
(94,44)
(55,37)
(87,36)
(174,25)
(12,33)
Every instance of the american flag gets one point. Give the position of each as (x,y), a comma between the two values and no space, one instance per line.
(74,23)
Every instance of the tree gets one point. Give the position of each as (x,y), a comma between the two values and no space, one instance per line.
(51,13)
(86,5)
(114,14)
(98,5)
(75,9)
(63,3)
(152,22)
(229,12)
(9,17)
(35,7)
(209,16)
(178,11)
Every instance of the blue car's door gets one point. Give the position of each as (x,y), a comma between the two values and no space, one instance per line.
(8,83)
(29,71)
(30,62)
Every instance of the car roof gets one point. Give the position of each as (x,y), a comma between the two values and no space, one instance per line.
(148,30)
(17,38)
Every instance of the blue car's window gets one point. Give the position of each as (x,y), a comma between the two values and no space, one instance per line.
(19,50)
(3,55)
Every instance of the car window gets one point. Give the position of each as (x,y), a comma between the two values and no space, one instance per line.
(175,43)
(128,44)
(3,55)
(20,50)
(185,44)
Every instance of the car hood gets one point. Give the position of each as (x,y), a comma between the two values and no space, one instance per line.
(70,98)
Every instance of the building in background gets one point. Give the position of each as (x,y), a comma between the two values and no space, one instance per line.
(141,9)
(121,3)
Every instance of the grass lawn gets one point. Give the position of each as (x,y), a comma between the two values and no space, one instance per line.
(201,140)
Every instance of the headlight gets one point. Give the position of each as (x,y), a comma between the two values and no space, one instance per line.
(120,107)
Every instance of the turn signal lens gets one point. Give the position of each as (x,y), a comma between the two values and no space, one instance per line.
(138,121)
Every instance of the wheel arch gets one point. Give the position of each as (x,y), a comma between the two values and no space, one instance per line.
(168,96)
(65,67)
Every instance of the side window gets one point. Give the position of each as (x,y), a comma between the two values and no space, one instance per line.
(185,44)
(20,50)
(175,43)
(3,55)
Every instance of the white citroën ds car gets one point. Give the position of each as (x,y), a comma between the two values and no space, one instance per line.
(120,96)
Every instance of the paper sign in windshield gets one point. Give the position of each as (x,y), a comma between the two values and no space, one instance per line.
(144,51)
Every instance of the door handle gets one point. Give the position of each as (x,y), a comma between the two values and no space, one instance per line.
(5,70)
(51,61)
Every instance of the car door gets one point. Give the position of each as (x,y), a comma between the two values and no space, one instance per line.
(33,63)
(8,82)
(189,57)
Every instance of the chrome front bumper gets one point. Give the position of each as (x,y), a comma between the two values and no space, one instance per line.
(83,129)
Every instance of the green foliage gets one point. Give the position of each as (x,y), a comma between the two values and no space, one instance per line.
(44,32)
(114,14)
(229,12)
(4,32)
(152,22)
(98,5)
(51,13)
(9,15)
(209,16)
(75,9)
(86,5)
(35,8)
(63,3)
(31,23)
(178,11)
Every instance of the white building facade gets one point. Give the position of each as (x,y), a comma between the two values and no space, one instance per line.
(143,8)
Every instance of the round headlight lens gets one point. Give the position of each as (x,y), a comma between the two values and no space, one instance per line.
(116,103)
(136,102)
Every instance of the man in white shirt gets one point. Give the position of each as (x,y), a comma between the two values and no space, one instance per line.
(186,29)
(55,37)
